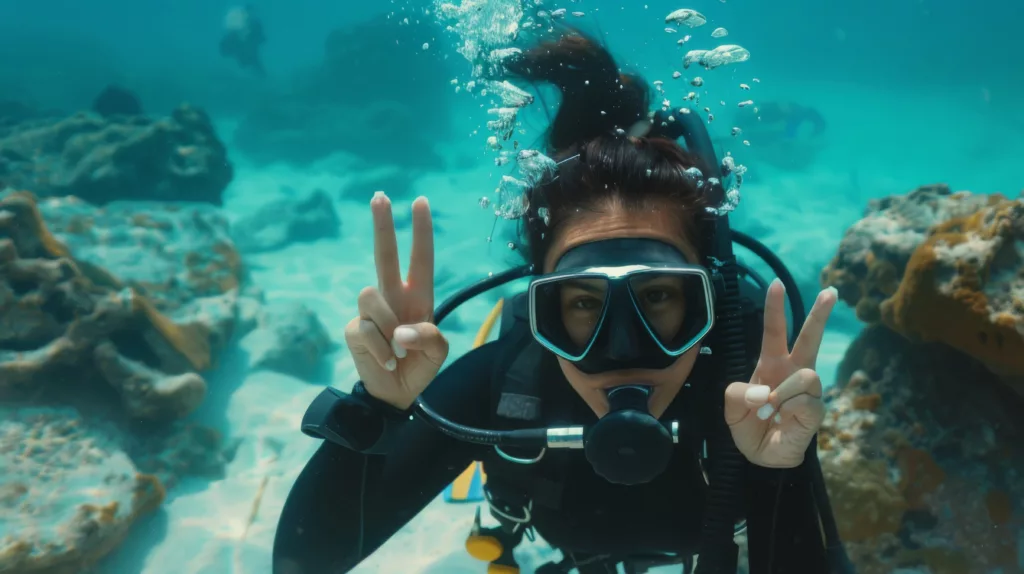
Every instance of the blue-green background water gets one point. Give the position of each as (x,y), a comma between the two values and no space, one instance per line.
(913,92)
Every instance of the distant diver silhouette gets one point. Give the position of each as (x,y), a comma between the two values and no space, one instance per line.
(243,38)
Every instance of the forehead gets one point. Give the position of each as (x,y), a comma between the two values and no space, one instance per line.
(613,222)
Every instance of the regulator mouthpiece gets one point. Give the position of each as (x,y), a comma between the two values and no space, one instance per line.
(628,445)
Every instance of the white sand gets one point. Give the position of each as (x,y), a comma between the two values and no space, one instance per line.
(203,529)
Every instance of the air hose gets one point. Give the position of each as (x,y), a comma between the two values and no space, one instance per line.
(724,505)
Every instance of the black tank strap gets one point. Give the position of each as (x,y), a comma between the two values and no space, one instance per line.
(519,398)
(517,385)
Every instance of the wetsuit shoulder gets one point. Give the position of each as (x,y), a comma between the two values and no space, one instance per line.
(346,504)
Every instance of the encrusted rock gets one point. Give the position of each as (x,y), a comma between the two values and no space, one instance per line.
(175,158)
(940,266)
(68,491)
(923,455)
(113,314)
(290,339)
(60,315)
(280,223)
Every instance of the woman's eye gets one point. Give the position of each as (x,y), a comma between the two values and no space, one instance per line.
(656,296)
(586,303)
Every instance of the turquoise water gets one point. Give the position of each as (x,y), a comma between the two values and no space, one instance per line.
(910,92)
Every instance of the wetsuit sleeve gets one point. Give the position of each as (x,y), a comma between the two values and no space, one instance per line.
(346,504)
(796,546)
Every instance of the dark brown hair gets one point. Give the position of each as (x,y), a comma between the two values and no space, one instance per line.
(599,109)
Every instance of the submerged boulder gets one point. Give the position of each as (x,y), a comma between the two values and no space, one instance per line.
(286,221)
(108,319)
(289,339)
(147,336)
(923,455)
(923,446)
(68,491)
(103,159)
(941,266)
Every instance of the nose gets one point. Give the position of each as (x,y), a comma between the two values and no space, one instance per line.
(625,337)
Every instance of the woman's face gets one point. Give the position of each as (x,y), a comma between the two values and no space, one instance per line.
(614,221)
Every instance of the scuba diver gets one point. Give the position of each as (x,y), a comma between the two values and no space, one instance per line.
(787,135)
(642,402)
(243,38)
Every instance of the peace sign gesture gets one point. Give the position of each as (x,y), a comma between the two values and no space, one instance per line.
(396,348)
(774,417)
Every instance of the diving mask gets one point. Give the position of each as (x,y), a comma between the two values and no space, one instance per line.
(624,303)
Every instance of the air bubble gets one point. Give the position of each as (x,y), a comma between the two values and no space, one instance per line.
(686,17)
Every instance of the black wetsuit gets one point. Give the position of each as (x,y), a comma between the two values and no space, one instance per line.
(319,531)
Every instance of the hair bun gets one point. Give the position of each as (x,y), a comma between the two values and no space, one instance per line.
(596,98)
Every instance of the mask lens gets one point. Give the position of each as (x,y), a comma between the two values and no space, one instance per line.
(673,305)
(568,312)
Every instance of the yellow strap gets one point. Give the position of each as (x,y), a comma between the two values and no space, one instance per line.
(461,484)
(488,324)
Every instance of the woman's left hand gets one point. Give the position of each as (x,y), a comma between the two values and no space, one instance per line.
(774,417)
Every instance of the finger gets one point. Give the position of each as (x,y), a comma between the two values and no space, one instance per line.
(802,382)
(426,338)
(773,341)
(363,337)
(808,342)
(421,266)
(741,399)
(385,249)
(375,309)
(807,410)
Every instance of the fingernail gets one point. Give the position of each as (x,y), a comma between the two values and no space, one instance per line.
(399,351)
(378,195)
(758,394)
(778,418)
(765,412)
(406,335)
(833,291)
(391,364)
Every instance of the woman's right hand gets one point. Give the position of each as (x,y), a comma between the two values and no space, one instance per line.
(396,347)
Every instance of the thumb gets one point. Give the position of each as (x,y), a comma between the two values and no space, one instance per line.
(423,337)
(742,398)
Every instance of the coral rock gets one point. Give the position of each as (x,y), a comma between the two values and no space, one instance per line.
(280,223)
(290,339)
(176,158)
(60,315)
(920,471)
(68,492)
(940,266)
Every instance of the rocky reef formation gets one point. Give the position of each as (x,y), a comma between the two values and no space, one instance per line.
(286,221)
(382,100)
(108,318)
(290,339)
(941,266)
(103,159)
(923,450)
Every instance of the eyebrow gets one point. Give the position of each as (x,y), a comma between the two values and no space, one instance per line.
(585,285)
